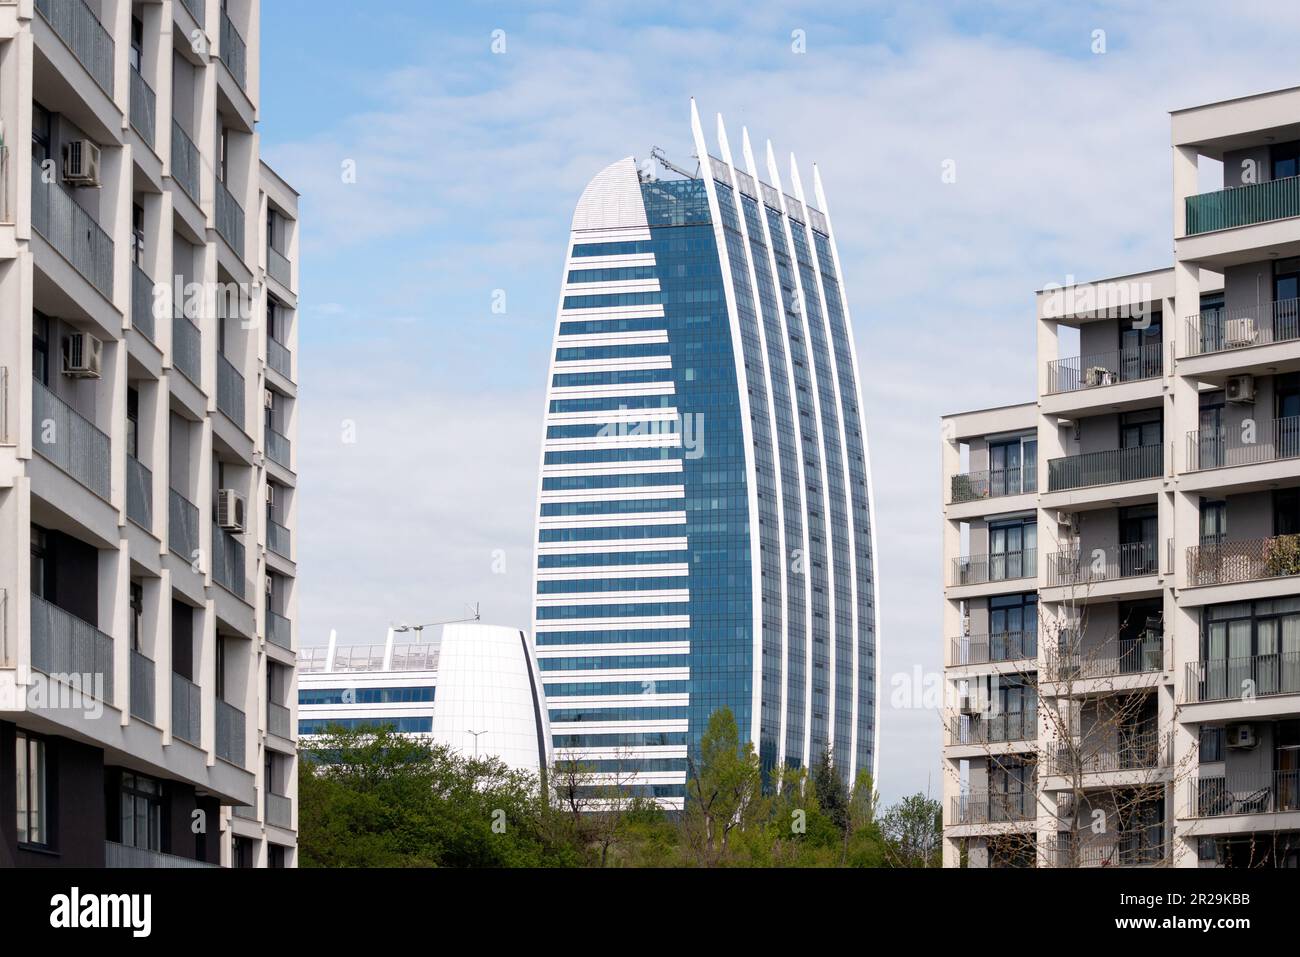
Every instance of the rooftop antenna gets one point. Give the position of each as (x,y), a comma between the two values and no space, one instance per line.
(658,155)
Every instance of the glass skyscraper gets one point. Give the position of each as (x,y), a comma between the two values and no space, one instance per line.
(704,528)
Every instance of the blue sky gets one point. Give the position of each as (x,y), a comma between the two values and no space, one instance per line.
(468,165)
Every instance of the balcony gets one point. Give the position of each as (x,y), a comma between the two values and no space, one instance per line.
(234,52)
(1110,659)
(142,687)
(1243,205)
(139,493)
(1103,564)
(1111,467)
(75,445)
(230,391)
(230,219)
(1145,847)
(185,165)
(278,266)
(142,302)
(72,232)
(63,644)
(1272,441)
(186,348)
(1107,368)
(197,10)
(183,526)
(994,729)
(278,539)
(1222,330)
(1245,792)
(986,649)
(991,483)
(79,28)
(278,358)
(279,810)
(119,855)
(144,107)
(278,630)
(227,561)
(1256,559)
(231,725)
(277,447)
(1229,679)
(187,710)
(278,720)
(1111,751)
(1003,566)
(994,807)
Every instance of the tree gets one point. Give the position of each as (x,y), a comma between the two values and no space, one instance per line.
(913,832)
(723,788)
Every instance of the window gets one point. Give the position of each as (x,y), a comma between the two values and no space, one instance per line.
(132,422)
(272,320)
(221,668)
(39,555)
(1013,626)
(141,812)
(241,852)
(270,230)
(1012,466)
(1286,160)
(137,615)
(1211,746)
(1251,646)
(137,235)
(1214,521)
(1286,511)
(275,855)
(1140,347)
(1140,429)
(40,133)
(135,55)
(40,348)
(1012,549)
(33,790)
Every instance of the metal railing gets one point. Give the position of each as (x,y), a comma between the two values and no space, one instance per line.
(1106,563)
(1110,659)
(185,164)
(991,483)
(142,302)
(1105,468)
(279,810)
(139,493)
(278,358)
(69,440)
(1105,368)
(196,8)
(994,807)
(72,231)
(230,219)
(120,855)
(983,649)
(230,390)
(1226,679)
(63,644)
(234,52)
(1144,847)
(1220,330)
(79,28)
(1245,792)
(278,630)
(1113,751)
(187,348)
(994,729)
(142,687)
(417,656)
(1255,559)
(1268,441)
(1003,566)
(278,447)
(278,720)
(182,525)
(144,106)
(1242,205)
(187,710)
(231,728)
(277,264)
(278,539)
(227,561)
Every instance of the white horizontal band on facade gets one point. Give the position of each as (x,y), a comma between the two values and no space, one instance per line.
(649,310)
(614,649)
(594,598)
(670,544)
(611,338)
(630,778)
(615,674)
(611,286)
(632,753)
(648,440)
(661,570)
(612,364)
(676,700)
(612,520)
(652,466)
(581,263)
(609,727)
(638,494)
(622,234)
(612,390)
(662,622)
(601,416)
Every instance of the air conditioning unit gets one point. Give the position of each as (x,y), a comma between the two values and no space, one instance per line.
(268,398)
(83,356)
(1067,519)
(230,510)
(1241,388)
(269,584)
(1238,333)
(81,163)
(968,704)
(1241,736)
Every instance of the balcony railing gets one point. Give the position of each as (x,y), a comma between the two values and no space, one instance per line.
(139,493)
(1110,659)
(1003,566)
(1145,847)
(983,649)
(72,231)
(1256,559)
(994,729)
(142,302)
(278,720)
(119,855)
(1219,330)
(278,539)
(278,630)
(234,52)
(992,483)
(278,358)
(278,266)
(63,644)
(1102,564)
(994,807)
(230,390)
(142,687)
(185,165)
(230,218)
(1248,792)
(1105,468)
(1269,441)
(187,710)
(231,726)
(1114,751)
(144,106)
(187,348)
(277,447)
(69,440)
(79,28)
(227,561)
(1225,679)
(279,810)
(1106,368)
(183,526)
(196,8)
(1243,205)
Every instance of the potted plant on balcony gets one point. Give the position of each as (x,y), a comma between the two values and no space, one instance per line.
(1282,556)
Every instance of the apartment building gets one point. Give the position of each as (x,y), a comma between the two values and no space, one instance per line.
(148,280)
(1122,555)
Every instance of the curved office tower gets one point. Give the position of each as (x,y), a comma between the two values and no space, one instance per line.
(704,533)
